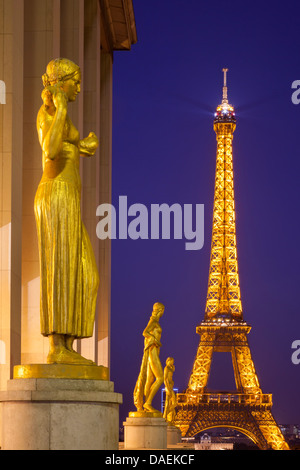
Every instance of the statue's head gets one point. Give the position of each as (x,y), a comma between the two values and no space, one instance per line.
(63,73)
(170,361)
(158,309)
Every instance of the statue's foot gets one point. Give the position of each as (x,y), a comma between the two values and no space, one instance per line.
(64,356)
(150,408)
(69,345)
(80,359)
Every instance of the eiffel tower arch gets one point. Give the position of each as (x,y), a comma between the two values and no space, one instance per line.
(223,329)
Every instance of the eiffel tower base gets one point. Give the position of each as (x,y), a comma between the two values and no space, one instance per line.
(255,420)
(247,409)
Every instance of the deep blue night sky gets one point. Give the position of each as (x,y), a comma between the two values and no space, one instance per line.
(166,90)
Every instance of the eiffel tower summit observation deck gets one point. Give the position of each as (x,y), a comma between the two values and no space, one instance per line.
(223,329)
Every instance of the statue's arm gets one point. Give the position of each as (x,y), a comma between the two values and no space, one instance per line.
(168,379)
(147,333)
(149,328)
(51,130)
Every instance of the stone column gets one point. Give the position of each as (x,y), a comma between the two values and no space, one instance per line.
(11,150)
(60,414)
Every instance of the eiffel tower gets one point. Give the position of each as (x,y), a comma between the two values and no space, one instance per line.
(223,329)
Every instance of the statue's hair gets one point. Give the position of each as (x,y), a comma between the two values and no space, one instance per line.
(59,70)
(169,359)
(158,306)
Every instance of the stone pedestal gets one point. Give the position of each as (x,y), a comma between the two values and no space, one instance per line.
(145,433)
(173,435)
(60,414)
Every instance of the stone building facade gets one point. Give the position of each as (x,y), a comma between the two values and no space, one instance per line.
(32,32)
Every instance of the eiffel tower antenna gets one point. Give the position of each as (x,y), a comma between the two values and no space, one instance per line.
(225,86)
(223,328)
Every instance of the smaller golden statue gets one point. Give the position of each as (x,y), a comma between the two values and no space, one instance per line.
(151,375)
(171,401)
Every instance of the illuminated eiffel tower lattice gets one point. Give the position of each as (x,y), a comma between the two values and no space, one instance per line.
(223,329)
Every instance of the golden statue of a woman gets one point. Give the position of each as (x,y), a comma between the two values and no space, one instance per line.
(170,401)
(69,275)
(151,374)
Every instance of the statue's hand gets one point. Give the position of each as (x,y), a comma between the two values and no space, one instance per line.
(92,141)
(89,145)
(59,98)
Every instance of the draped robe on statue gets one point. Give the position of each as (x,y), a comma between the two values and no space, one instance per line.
(69,275)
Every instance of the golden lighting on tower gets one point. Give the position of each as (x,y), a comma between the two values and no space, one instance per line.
(247,409)
(223,295)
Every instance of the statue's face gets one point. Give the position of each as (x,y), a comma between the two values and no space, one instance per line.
(159,312)
(72,86)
